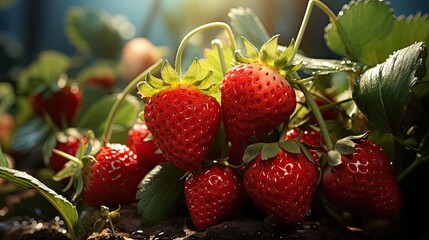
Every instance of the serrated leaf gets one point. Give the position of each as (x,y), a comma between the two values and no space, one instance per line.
(382,92)
(360,23)
(405,31)
(245,22)
(345,146)
(269,150)
(47,68)
(334,157)
(94,32)
(64,207)
(251,152)
(158,193)
(290,146)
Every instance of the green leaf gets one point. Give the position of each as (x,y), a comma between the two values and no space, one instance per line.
(65,208)
(245,22)
(269,150)
(252,151)
(158,193)
(405,31)
(359,24)
(269,50)
(7,97)
(168,73)
(290,146)
(95,32)
(306,152)
(251,50)
(382,92)
(314,66)
(31,136)
(95,117)
(47,68)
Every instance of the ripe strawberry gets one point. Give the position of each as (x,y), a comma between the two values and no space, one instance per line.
(113,178)
(182,118)
(363,183)
(256,98)
(61,106)
(68,145)
(308,136)
(141,143)
(282,186)
(213,195)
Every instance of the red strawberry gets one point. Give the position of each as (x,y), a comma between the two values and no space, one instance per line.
(102,81)
(140,143)
(256,98)
(70,145)
(363,183)
(213,195)
(182,117)
(308,136)
(282,186)
(114,178)
(61,106)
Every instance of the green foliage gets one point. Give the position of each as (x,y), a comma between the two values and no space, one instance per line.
(3,160)
(94,32)
(382,92)
(95,116)
(368,32)
(7,96)
(46,69)
(158,193)
(32,136)
(65,208)
(245,22)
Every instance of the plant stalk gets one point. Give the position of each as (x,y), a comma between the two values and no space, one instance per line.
(185,40)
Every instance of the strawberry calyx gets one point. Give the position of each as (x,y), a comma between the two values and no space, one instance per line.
(343,146)
(73,168)
(269,55)
(170,79)
(270,150)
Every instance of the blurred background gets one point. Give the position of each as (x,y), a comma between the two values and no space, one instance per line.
(28,27)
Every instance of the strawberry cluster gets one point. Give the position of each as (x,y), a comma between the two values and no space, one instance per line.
(279,171)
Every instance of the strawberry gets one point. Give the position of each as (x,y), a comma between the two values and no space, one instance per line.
(308,136)
(106,82)
(113,178)
(213,194)
(140,141)
(182,118)
(282,186)
(363,183)
(61,105)
(68,144)
(256,97)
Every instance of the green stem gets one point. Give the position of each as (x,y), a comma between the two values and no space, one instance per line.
(306,18)
(68,157)
(216,43)
(185,40)
(107,131)
(318,115)
(417,161)
(301,31)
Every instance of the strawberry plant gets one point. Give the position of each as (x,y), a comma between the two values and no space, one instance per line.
(254,129)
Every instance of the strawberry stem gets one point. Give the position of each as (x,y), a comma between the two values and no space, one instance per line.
(107,131)
(216,43)
(318,115)
(306,18)
(181,48)
(68,157)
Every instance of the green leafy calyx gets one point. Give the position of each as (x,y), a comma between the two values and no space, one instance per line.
(170,79)
(269,55)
